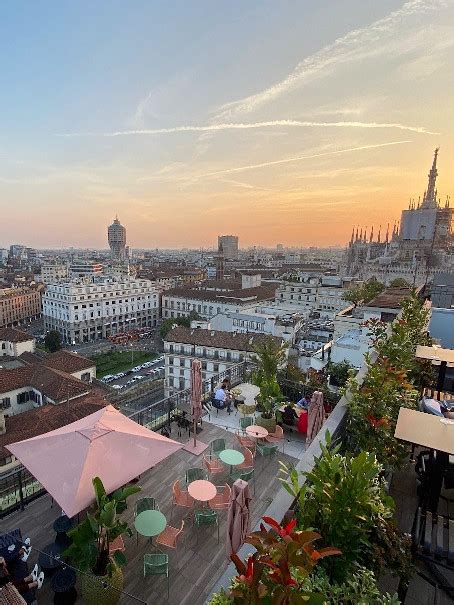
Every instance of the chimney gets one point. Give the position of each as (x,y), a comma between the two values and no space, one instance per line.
(2,423)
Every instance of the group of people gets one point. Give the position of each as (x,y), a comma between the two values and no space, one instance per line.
(290,417)
(8,571)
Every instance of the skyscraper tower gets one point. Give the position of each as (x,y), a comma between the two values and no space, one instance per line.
(116,235)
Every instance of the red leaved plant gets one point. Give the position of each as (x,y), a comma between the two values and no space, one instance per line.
(266,577)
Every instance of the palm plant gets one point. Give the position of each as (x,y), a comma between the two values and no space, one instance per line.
(269,356)
(89,550)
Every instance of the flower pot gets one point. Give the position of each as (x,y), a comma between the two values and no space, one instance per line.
(268,423)
(102,590)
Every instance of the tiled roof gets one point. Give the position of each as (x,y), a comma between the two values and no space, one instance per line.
(238,295)
(391,298)
(14,335)
(68,362)
(47,418)
(217,339)
(55,384)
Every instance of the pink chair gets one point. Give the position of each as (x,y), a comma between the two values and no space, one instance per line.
(181,497)
(276,437)
(169,536)
(222,498)
(213,464)
(117,545)
(246,441)
(245,466)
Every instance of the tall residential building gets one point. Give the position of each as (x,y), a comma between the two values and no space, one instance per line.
(18,305)
(116,235)
(228,244)
(84,312)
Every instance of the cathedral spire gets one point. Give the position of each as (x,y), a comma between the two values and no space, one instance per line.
(356,239)
(353,235)
(430,196)
(387,234)
(371,235)
(379,235)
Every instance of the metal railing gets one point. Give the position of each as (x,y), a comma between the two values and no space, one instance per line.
(18,487)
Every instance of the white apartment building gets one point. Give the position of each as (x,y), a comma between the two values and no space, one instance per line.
(54,272)
(249,322)
(216,350)
(84,312)
(208,302)
(15,342)
(301,296)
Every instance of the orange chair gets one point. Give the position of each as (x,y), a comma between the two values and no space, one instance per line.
(117,544)
(222,498)
(213,464)
(247,465)
(169,536)
(180,497)
(246,441)
(276,437)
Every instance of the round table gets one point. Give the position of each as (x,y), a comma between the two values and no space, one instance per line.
(231,457)
(50,558)
(254,430)
(63,585)
(62,525)
(202,490)
(150,523)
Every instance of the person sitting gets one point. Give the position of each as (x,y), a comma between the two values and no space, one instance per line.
(289,415)
(23,585)
(222,399)
(303,403)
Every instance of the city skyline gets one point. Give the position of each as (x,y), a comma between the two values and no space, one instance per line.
(193,121)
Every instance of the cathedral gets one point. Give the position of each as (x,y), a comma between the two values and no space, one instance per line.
(418,247)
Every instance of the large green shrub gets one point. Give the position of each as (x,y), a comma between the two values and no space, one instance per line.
(343,499)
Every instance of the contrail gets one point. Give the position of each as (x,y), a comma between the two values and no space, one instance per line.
(298,158)
(247,126)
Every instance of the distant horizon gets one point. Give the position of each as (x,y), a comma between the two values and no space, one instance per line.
(277,122)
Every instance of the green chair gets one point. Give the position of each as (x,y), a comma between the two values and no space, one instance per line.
(248,476)
(206,516)
(142,505)
(156,564)
(217,446)
(245,422)
(194,474)
(266,449)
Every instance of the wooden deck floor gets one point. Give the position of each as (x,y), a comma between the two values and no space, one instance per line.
(195,568)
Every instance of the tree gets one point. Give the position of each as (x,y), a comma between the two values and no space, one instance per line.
(364,293)
(53,341)
(269,356)
(168,324)
(399,282)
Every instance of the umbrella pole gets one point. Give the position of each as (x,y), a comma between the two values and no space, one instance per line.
(195,430)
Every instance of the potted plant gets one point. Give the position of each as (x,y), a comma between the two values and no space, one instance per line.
(101,578)
(270,356)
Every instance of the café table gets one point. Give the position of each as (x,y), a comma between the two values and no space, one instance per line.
(150,523)
(256,431)
(231,457)
(61,526)
(50,558)
(63,585)
(202,490)
(433,432)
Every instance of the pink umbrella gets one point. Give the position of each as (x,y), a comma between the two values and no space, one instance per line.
(315,416)
(196,394)
(196,407)
(106,444)
(238,516)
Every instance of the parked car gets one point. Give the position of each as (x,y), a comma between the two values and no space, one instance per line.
(117,386)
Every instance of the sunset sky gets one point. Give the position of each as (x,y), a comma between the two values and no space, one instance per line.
(287,121)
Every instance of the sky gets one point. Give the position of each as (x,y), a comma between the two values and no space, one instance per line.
(281,122)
